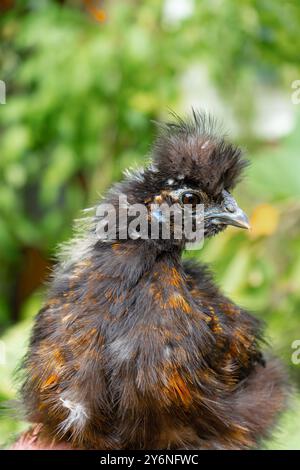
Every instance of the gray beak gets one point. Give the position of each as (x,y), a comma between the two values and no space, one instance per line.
(228,214)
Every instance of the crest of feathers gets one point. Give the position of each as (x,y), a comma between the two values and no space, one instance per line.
(193,150)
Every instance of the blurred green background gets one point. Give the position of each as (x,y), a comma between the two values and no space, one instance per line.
(83,82)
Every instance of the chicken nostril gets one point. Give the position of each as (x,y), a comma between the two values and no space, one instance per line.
(230,207)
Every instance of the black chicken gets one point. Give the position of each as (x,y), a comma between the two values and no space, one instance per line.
(137,349)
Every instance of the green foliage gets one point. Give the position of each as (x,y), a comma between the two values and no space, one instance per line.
(80,99)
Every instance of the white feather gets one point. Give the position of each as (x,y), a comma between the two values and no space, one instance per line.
(77,417)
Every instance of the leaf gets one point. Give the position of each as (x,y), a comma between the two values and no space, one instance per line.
(264,220)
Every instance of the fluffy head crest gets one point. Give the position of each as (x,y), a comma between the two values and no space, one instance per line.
(193,151)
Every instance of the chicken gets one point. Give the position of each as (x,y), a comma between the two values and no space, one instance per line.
(136,348)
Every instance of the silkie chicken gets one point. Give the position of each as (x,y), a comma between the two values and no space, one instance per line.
(136,348)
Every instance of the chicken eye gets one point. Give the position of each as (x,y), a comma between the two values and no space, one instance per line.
(190,198)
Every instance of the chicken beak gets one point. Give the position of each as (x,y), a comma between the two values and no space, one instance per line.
(230,213)
(237,218)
